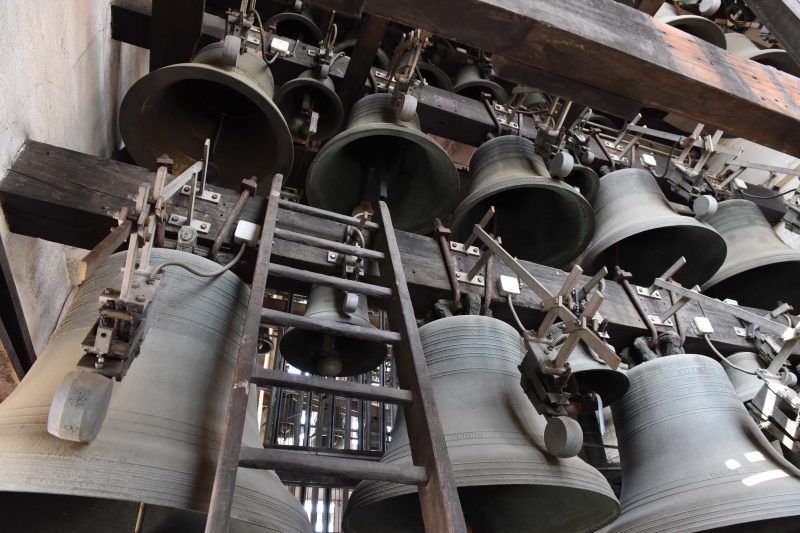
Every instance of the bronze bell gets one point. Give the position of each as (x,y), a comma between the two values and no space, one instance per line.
(296,25)
(639,231)
(746,385)
(693,459)
(585,180)
(540,219)
(159,441)
(760,269)
(327,354)
(506,480)
(700,27)
(592,374)
(741,45)
(306,94)
(174,109)
(379,154)
(432,74)
(471,82)
(348,45)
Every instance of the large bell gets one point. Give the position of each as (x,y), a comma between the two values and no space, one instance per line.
(700,27)
(639,231)
(296,25)
(746,385)
(585,180)
(760,269)
(328,354)
(506,480)
(174,109)
(540,219)
(741,45)
(693,459)
(592,374)
(160,438)
(420,181)
(306,94)
(347,46)
(471,82)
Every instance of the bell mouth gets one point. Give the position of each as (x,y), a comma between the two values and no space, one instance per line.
(585,180)
(306,351)
(325,102)
(435,76)
(539,219)
(473,90)
(296,26)
(421,181)
(700,27)
(44,513)
(779,59)
(492,509)
(611,385)
(761,287)
(647,254)
(173,110)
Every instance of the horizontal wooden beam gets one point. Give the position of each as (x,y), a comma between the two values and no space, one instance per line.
(782,19)
(616,50)
(361,391)
(440,112)
(68,197)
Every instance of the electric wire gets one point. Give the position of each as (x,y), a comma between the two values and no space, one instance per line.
(516,317)
(202,273)
(725,360)
(766,197)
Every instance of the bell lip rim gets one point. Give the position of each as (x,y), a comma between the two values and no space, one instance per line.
(292,84)
(719,35)
(586,169)
(497,90)
(452,181)
(296,17)
(590,258)
(613,379)
(783,55)
(438,72)
(791,256)
(142,89)
(357,369)
(530,181)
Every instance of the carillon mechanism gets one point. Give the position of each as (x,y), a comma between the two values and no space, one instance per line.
(459,267)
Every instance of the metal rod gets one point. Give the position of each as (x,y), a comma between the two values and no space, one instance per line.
(327,215)
(192,200)
(651,328)
(479,264)
(482,224)
(326,244)
(671,271)
(206,155)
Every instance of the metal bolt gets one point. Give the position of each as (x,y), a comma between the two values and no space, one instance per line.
(204,225)
(140,298)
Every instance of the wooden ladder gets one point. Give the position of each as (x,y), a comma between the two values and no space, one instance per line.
(432,473)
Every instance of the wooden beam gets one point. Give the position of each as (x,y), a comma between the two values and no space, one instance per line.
(15,336)
(68,197)
(370,35)
(613,48)
(175,31)
(441,113)
(782,18)
(649,6)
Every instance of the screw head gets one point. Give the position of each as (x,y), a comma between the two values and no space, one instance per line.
(139,298)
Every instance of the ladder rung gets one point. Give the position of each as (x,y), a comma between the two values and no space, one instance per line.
(283,271)
(326,244)
(271,316)
(266,378)
(327,215)
(315,463)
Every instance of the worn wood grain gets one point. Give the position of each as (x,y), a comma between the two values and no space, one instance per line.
(616,49)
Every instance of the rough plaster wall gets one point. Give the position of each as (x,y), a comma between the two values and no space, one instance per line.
(61,81)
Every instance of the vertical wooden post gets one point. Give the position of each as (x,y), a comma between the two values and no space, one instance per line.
(370,35)
(175,30)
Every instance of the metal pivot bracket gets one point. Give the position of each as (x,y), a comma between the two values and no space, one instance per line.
(656,321)
(179,221)
(576,325)
(208,196)
(459,247)
(645,291)
(475,280)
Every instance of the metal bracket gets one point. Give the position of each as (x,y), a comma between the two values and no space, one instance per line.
(657,321)
(477,280)
(644,291)
(459,247)
(741,332)
(179,221)
(208,196)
